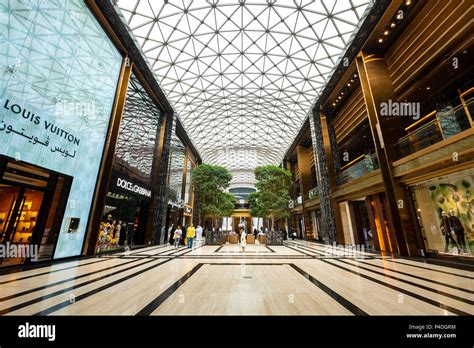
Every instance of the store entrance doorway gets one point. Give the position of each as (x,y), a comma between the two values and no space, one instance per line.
(32,204)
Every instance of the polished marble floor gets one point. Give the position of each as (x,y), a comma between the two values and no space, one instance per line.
(298,278)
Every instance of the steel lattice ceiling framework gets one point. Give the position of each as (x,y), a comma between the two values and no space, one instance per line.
(243,75)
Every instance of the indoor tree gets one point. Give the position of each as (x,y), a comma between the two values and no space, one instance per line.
(273,184)
(209,183)
(256,209)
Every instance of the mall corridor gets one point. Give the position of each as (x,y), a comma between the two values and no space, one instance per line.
(297,278)
(261,170)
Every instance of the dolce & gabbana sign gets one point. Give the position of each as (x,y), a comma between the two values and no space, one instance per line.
(130,186)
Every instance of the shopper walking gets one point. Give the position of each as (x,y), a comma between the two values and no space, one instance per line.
(190,235)
(178,233)
(198,234)
(243,239)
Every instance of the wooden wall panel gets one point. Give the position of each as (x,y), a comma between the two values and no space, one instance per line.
(351,115)
(439,25)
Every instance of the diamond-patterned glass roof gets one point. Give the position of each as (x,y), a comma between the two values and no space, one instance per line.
(243,74)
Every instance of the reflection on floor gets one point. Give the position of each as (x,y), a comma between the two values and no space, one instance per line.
(298,278)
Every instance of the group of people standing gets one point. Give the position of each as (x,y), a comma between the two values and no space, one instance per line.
(176,235)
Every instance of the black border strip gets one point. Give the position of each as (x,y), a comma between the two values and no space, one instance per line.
(273,251)
(59,282)
(134,259)
(334,295)
(407,292)
(430,261)
(92,292)
(101,258)
(417,277)
(424,287)
(300,251)
(398,259)
(49,272)
(219,248)
(322,253)
(25,268)
(246,264)
(95,291)
(158,301)
(62,291)
(154,304)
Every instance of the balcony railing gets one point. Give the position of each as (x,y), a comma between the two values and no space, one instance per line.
(446,123)
(367,164)
(313,193)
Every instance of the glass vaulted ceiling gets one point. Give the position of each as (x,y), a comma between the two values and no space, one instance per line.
(242,74)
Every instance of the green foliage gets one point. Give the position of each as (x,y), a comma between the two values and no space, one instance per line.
(209,182)
(256,210)
(273,184)
(207,178)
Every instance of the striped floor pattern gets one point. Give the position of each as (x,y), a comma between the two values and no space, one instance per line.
(297,278)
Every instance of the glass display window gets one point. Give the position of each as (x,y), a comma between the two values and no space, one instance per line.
(445,213)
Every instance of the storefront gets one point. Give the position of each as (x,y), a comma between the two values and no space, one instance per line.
(180,196)
(55,107)
(315,218)
(32,204)
(445,213)
(187,215)
(126,211)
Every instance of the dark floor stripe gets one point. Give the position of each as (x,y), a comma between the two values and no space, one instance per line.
(439,292)
(49,285)
(397,261)
(146,255)
(19,268)
(429,261)
(320,247)
(247,251)
(244,257)
(100,259)
(153,305)
(49,272)
(92,292)
(417,277)
(62,291)
(59,292)
(300,251)
(313,250)
(270,248)
(219,248)
(140,250)
(99,289)
(245,264)
(409,293)
(334,295)
(323,253)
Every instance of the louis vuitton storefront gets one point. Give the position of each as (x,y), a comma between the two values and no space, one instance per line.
(56,98)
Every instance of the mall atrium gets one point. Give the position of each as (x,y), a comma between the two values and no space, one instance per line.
(236,157)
